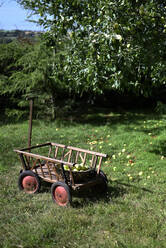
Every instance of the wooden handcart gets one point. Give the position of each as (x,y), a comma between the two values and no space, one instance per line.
(57,164)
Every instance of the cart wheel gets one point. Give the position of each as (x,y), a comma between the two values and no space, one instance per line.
(103,175)
(29,182)
(104,180)
(61,194)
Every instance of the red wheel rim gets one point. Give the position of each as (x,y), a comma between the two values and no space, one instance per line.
(30,184)
(61,196)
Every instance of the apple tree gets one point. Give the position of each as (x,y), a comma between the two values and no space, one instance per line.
(113,44)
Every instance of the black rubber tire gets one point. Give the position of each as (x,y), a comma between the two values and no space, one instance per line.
(34,180)
(103,175)
(104,181)
(61,194)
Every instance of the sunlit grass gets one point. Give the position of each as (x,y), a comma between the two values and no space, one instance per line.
(133,212)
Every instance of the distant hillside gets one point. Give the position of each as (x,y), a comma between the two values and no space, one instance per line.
(8,36)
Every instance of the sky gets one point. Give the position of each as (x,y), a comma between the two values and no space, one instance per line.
(13,16)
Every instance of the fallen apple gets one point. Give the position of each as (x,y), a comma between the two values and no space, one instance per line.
(66,167)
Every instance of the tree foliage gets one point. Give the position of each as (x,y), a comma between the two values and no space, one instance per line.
(115,44)
(32,69)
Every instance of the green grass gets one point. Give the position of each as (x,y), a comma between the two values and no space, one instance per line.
(133,213)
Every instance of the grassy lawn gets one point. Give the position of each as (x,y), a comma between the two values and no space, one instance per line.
(133,213)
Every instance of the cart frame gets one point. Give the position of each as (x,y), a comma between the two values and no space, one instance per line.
(51,168)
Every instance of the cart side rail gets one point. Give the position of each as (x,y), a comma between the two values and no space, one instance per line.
(53,160)
(33,147)
(80,150)
(65,147)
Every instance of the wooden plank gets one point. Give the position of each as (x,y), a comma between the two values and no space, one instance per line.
(77,154)
(41,169)
(99,166)
(67,147)
(37,146)
(66,154)
(44,158)
(24,165)
(59,145)
(69,156)
(80,150)
(50,150)
(48,167)
(27,161)
(63,153)
(46,176)
(95,162)
(93,156)
(56,174)
(34,164)
(84,160)
(56,151)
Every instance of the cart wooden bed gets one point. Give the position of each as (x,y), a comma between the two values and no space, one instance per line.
(48,162)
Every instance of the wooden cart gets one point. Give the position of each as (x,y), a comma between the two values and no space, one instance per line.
(51,166)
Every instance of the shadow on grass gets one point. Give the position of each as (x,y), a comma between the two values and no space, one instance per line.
(100,116)
(113,192)
(153,130)
(94,116)
(94,195)
(127,185)
(159,149)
